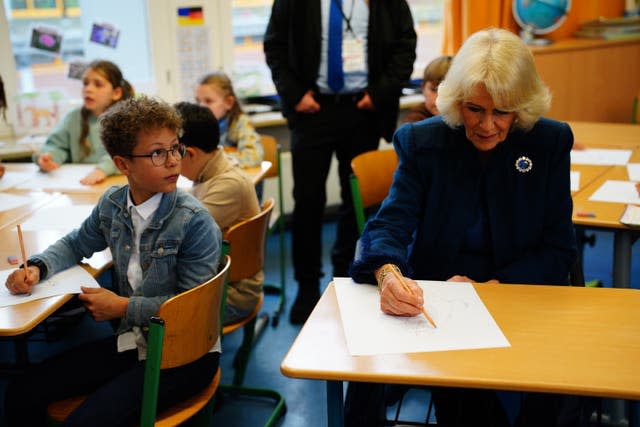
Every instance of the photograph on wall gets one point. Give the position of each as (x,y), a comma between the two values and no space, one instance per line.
(76,69)
(46,39)
(104,34)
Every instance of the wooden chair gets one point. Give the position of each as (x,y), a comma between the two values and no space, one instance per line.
(246,244)
(371,179)
(184,329)
(272,151)
(635,114)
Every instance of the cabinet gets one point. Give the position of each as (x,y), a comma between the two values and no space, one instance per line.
(591,80)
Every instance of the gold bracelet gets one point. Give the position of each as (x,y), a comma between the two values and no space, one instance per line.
(384,270)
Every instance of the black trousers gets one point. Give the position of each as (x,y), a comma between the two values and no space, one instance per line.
(340,128)
(113,381)
(365,405)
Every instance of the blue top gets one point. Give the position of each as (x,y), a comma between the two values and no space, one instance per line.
(430,217)
(179,250)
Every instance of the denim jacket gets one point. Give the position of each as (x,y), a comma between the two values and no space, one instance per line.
(179,250)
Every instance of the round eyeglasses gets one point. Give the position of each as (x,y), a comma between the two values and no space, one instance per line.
(159,157)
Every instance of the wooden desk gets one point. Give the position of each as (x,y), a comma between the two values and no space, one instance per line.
(581,341)
(257,173)
(14,216)
(607,217)
(606,135)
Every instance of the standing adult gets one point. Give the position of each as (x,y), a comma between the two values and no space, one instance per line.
(339,67)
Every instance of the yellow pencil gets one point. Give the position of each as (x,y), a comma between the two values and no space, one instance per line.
(24,257)
(408,289)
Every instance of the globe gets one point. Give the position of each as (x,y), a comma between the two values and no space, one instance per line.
(539,17)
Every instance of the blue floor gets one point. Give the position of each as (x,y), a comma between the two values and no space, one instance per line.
(305,399)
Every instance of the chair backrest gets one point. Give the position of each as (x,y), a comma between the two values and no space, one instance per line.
(374,171)
(247,242)
(635,114)
(370,181)
(270,148)
(192,320)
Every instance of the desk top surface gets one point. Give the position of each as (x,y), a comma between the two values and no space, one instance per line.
(563,340)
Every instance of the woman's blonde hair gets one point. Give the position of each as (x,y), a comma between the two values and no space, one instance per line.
(502,62)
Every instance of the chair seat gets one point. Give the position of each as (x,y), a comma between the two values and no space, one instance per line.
(227,329)
(60,410)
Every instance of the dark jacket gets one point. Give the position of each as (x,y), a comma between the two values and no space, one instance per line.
(292,48)
(422,223)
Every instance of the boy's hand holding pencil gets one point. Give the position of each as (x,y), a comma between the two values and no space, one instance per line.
(19,282)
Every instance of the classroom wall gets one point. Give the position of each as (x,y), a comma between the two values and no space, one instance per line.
(587,10)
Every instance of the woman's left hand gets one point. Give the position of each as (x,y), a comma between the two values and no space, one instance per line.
(103,304)
(96,176)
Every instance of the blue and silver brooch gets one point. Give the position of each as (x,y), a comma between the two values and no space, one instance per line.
(524,164)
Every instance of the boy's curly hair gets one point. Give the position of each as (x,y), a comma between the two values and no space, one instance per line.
(122,124)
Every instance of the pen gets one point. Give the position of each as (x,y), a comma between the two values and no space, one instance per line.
(586,214)
(408,289)
(24,257)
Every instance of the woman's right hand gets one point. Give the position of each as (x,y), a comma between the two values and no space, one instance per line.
(19,283)
(395,299)
(46,163)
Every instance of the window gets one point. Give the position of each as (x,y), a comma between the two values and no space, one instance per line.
(47,36)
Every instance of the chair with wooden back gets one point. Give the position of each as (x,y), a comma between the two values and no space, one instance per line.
(245,243)
(371,179)
(183,330)
(272,151)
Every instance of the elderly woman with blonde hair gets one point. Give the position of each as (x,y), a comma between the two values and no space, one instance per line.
(481,194)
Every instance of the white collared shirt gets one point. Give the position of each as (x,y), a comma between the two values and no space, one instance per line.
(141,216)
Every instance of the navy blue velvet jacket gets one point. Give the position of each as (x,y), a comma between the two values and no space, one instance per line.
(421,224)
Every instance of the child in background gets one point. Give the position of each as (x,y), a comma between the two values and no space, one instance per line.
(215,92)
(433,74)
(224,189)
(163,242)
(76,139)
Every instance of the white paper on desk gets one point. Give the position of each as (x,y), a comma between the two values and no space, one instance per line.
(66,178)
(633,169)
(616,192)
(600,156)
(65,282)
(184,183)
(12,201)
(12,179)
(65,218)
(575,180)
(463,320)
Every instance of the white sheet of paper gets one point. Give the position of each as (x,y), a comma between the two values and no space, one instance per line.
(64,218)
(12,179)
(575,180)
(463,321)
(184,183)
(66,178)
(633,169)
(616,192)
(65,282)
(11,201)
(600,156)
